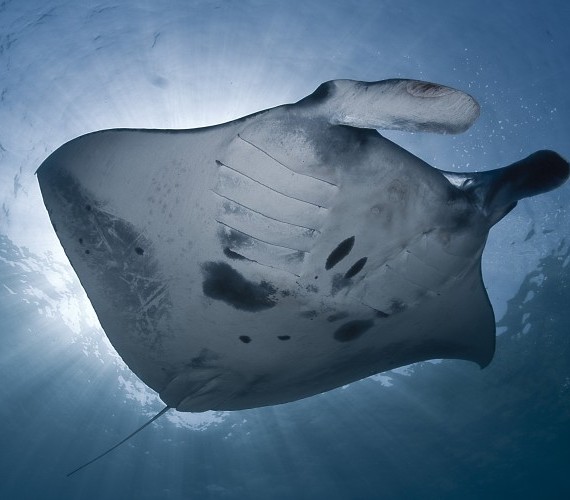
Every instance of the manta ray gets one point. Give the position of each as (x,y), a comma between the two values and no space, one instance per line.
(288,252)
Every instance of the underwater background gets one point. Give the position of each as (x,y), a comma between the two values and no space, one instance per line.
(434,430)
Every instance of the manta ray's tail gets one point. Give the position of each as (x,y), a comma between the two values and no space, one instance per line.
(159,414)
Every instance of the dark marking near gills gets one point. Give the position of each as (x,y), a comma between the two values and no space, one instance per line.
(232,239)
(356,268)
(245,339)
(230,254)
(339,253)
(283,337)
(352,330)
(223,282)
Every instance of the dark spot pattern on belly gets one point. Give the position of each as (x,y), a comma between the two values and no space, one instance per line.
(339,253)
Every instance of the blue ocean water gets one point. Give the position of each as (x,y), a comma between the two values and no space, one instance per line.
(434,430)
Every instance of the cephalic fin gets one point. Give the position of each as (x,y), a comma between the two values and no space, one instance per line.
(397,104)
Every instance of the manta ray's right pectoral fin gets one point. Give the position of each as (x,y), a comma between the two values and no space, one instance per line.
(496,192)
